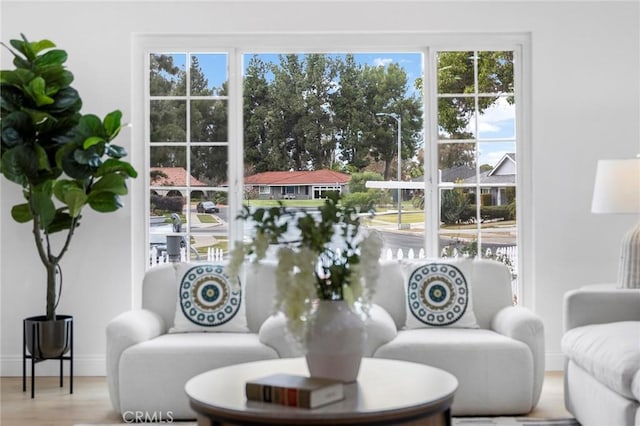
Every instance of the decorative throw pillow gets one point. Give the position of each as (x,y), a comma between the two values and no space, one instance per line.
(207,301)
(439,295)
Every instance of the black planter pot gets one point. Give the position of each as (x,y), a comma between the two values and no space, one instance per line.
(48,339)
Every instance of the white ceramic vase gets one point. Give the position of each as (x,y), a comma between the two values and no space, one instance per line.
(335,341)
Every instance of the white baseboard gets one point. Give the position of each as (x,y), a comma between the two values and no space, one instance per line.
(86,365)
(554,361)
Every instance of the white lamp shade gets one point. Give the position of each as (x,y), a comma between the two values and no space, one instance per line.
(617,186)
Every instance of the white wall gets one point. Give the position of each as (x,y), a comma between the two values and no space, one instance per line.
(585,106)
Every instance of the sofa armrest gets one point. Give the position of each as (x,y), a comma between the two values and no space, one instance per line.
(125,330)
(273,333)
(600,305)
(521,324)
(380,329)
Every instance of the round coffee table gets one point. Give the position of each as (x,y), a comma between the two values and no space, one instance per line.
(386,392)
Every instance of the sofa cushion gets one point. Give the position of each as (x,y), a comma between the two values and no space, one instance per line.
(208,301)
(438,294)
(153,373)
(495,372)
(609,352)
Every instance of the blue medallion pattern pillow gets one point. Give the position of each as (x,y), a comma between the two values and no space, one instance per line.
(207,301)
(438,295)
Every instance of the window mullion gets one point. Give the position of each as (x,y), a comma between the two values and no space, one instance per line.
(476,130)
(432,191)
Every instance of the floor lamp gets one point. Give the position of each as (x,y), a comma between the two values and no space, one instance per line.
(617,191)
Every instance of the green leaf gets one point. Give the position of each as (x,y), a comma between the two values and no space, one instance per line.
(11,137)
(61,187)
(116,166)
(75,199)
(43,206)
(89,157)
(60,222)
(36,90)
(104,202)
(43,159)
(39,46)
(18,77)
(112,123)
(112,182)
(52,57)
(90,125)
(93,140)
(21,213)
(19,164)
(38,117)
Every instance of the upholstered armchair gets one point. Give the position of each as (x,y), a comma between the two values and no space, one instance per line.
(601,343)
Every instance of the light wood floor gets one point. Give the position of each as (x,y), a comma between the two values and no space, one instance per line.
(54,406)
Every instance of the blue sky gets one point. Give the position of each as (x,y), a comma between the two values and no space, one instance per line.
(496,123)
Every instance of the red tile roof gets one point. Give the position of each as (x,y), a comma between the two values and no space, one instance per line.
(298,178)
(176,176)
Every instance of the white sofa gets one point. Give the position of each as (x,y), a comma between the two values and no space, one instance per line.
(601,344)
(499,366)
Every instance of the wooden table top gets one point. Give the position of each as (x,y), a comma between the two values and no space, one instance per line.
(386,390)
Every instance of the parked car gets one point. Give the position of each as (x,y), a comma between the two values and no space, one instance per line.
(207,207)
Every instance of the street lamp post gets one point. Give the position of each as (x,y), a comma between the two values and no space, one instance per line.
(399,121)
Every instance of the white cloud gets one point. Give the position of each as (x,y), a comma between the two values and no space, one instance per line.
(492,120)
(382,62)
(497,120)
(486,127)
(491,157)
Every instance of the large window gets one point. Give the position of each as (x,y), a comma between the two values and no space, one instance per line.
(228,127)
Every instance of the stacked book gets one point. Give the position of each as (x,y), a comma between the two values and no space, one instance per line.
(294,391)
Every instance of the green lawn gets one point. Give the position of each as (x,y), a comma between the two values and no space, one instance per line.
(286,203)
(207,218)
(409,217)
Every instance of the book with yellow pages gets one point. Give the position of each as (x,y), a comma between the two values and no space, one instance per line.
(294,391)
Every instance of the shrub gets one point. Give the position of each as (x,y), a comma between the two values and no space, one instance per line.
(358,181)
(361,201)
(167,204)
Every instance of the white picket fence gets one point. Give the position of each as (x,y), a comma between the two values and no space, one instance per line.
(508,255)
(213,255)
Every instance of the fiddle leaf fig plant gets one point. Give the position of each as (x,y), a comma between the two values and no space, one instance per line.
(63,160)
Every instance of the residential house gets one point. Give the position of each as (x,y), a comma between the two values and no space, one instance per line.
(303,184)
(173,177)
(494,182)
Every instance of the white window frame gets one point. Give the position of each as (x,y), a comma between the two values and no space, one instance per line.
(264,190)
(236,45)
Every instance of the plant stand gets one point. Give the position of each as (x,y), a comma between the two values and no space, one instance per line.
(35,337)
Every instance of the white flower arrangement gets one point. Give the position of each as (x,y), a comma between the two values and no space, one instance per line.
(311,269)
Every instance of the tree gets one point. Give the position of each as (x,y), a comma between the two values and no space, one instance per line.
(258,151)
(386,91)
(301,121)
(351,117)
(319,112)
(456,76)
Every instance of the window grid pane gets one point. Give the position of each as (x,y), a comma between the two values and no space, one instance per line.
(477,156)
(187,114)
